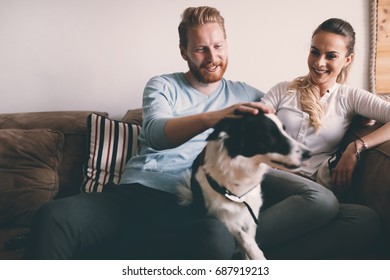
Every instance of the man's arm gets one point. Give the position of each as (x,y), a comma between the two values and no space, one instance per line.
(181,129)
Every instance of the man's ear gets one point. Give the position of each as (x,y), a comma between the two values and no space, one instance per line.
(183,52)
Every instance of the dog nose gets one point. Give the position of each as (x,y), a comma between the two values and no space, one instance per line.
(306,155)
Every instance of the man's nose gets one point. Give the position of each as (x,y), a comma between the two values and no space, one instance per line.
(212,55)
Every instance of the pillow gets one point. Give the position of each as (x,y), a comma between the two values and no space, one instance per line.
(111,144)
(29,163)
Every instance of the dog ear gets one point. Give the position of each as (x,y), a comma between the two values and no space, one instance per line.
(220,130)
(217,135)
(229,132)
(226,125)
(213,136)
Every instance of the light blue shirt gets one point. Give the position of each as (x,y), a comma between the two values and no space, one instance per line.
(169,96)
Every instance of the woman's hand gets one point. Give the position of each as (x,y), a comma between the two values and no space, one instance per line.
(342,173)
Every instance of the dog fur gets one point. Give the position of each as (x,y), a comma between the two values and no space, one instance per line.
(235,159)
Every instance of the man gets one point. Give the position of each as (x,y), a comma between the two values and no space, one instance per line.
(141,219)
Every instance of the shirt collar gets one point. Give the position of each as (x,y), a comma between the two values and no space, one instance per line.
(329,92)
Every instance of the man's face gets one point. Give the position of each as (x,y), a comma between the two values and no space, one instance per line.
(206,53)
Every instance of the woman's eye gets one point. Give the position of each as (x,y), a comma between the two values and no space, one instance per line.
(331,56)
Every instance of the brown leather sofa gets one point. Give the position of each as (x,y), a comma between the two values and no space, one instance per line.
(42,156)
(58,156)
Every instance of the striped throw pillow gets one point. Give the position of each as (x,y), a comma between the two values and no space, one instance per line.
(111,144)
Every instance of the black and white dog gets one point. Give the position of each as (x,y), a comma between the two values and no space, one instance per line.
(226,176)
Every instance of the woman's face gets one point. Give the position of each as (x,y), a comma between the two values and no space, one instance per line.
(327,57)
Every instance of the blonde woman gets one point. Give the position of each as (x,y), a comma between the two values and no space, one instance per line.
(318,108)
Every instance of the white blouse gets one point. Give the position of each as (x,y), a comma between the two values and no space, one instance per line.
(342,103)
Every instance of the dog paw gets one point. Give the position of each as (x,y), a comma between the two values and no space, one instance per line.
(184,195)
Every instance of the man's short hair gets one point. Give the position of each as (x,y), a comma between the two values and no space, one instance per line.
(198,16)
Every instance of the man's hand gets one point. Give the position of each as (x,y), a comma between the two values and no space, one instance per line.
(237,110)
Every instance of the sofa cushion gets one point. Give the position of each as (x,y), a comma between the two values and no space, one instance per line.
(73,124)
(111,143)
(29,163)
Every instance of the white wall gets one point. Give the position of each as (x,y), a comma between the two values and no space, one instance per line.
(98,54)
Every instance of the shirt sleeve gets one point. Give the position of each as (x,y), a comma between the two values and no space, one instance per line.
(253,93)
(370,105)
(157,110)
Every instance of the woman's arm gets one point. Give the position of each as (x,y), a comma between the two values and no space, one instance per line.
(342,174)
(372,107)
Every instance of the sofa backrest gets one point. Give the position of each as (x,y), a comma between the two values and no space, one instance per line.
(73,125)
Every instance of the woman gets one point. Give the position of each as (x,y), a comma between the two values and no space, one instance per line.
(318,108)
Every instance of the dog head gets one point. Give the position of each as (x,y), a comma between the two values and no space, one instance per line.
(262,138)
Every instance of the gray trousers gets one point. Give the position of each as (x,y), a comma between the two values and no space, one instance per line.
(299,220)
(303,220)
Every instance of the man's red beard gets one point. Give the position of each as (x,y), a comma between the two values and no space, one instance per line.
(202,75)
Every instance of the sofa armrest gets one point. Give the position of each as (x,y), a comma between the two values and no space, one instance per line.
(371,182)
(73,124)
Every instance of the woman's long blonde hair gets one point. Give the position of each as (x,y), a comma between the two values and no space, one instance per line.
(309,94)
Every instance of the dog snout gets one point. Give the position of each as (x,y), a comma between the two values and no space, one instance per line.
(306,154)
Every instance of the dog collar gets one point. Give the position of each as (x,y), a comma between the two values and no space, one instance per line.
(229,195)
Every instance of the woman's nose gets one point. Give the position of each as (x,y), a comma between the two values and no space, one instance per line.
(320,61)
